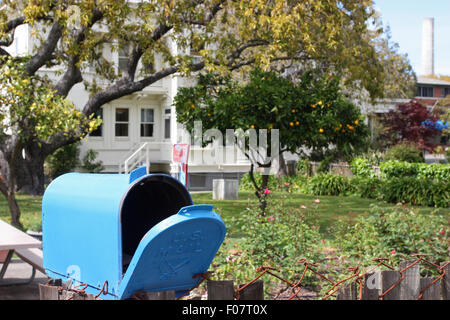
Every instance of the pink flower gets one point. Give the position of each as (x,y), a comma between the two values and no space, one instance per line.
(317,201)
(266,191)
(286,184)
(323,241)
(271,218)
(302,207)
(393,252)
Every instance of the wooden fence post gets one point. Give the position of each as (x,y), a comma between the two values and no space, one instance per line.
(47,292)
(388,279)
(372,285)
(445,282)
(220,290)
(347,292)
(410,286)
(433,292)
(255,291)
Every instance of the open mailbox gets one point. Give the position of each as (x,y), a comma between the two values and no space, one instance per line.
(134,231)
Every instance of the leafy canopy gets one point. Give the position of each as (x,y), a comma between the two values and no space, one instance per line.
(311,112)
(31,110)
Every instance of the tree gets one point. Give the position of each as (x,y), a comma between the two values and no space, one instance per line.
(228,35)
(30,111)
(310,113)
(409,123)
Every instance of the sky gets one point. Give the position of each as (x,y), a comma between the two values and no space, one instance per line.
(405,19)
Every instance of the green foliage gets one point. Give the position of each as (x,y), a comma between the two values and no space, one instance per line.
(395,234)
(366,187)
(303,167)
(408,152)
(63,160)
(395,168)
(362,167)
(329,185)
(32,107)
(311,112)
(279,239)
(416,191)
(89,162)
(435,171)
(295,183)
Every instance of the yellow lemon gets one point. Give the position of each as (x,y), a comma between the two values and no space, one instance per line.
(291,124)
(321,130)
(320,103)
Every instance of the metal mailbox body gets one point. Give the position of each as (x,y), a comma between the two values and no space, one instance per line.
(134,231)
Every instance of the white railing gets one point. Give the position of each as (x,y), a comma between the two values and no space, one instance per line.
(138,158)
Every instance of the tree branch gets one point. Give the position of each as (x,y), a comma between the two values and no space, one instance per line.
(46,52)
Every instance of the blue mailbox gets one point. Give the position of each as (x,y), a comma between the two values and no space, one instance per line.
(133,231)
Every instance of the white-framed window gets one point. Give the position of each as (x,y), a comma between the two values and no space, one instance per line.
(147,122)
(167,116)
(122,122)
(124,53)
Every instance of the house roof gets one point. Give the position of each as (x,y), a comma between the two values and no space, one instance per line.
(432,81)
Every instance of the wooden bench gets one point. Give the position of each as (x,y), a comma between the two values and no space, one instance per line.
(32,256)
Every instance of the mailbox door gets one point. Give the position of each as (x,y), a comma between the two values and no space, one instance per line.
(173,251)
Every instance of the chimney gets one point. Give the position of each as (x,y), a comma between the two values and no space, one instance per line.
(428,47)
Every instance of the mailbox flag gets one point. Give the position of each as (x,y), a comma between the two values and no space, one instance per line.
(180,156)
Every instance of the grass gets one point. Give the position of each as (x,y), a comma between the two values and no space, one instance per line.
(327,212)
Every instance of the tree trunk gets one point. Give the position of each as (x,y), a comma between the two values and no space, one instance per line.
(260,190)
(282,170)
(29,172)
(14,210)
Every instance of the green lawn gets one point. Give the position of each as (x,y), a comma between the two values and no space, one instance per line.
(329,210)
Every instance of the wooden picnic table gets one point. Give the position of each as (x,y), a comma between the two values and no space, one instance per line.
(13,239)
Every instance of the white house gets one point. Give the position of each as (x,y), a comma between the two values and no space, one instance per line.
(140,127)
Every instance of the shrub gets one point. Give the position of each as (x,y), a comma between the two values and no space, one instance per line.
(245,184)
(434,171)
(304,167)
(89,163)
(408,152)
(362,168)
(279,239)
(416,191)
(328,184)
(398,169)
(395,234)
(366,187)
(63,160)
(286,183)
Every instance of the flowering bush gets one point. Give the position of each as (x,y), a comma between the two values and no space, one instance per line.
(279,239)
(394,234)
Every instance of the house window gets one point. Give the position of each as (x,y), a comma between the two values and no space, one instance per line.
(425,91)
(147,121)
(445,92)
(122,118)
(167,113)
(99,131)
(124,53)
